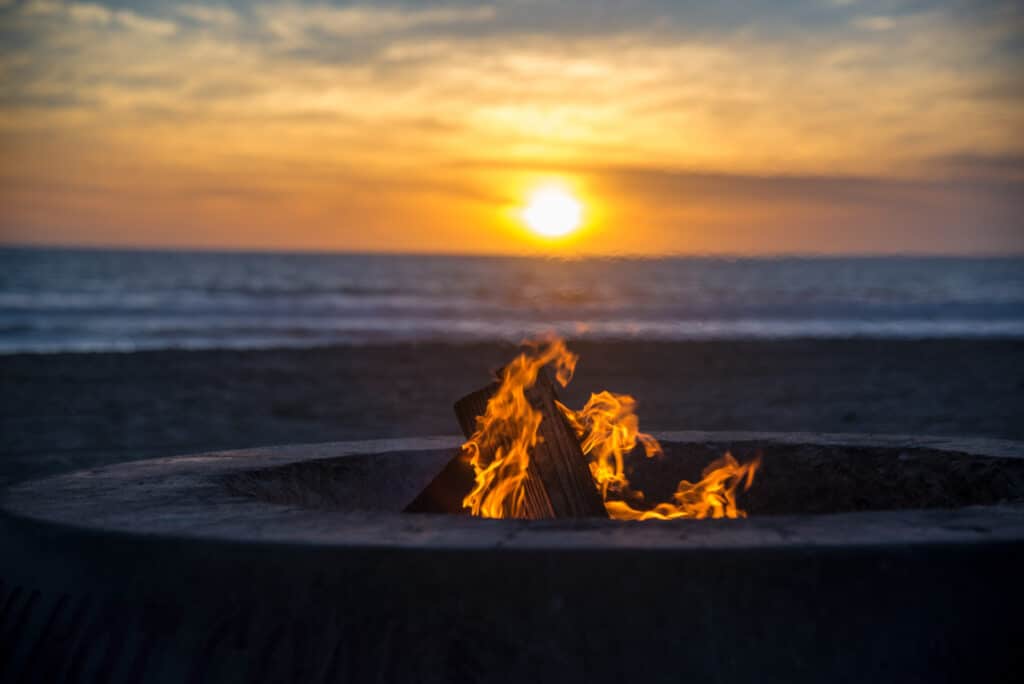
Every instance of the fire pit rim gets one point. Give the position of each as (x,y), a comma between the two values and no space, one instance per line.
(184,497)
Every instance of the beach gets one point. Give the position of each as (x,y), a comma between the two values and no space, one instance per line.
(65,411)
(113,355)
(291,291)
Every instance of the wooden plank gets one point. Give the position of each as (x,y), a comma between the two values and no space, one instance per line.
(474,405)
(558,460)
(446,491)
(559,484)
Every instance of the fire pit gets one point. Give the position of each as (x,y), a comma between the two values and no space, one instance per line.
(864,558)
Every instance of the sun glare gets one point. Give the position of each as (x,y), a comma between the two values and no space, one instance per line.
(552,212)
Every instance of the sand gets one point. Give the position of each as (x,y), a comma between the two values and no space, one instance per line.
(59,412)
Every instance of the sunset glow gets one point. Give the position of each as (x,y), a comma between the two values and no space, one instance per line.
(810,126)
(552,212)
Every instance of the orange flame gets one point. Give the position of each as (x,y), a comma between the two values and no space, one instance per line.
(712,497)
(608,428)
(499,450)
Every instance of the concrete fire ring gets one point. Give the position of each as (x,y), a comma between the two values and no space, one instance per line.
(294,564)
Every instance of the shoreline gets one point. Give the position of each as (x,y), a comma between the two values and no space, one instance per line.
(397,345)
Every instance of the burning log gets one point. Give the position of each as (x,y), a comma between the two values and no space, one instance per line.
(558,483)
(528,456)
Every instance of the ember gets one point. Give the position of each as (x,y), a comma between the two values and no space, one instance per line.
(502,451)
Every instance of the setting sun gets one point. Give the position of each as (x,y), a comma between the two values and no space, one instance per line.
(552,212)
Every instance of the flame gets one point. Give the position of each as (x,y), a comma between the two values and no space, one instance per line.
(712,497)
(499,450)
(608,428)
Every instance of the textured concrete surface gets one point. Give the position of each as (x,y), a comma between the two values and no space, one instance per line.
(171,570)
(204,497)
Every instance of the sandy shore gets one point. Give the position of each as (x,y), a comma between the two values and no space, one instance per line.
(75,410)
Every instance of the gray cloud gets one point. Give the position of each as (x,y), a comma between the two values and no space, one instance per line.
(987,166)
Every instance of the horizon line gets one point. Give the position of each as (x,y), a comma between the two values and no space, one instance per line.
(554,254)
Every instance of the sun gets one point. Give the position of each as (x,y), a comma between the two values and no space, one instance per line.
(552,212)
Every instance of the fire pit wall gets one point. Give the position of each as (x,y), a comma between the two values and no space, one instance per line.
(863,559)
(795,479)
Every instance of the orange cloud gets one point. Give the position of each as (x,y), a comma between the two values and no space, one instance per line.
(362,127)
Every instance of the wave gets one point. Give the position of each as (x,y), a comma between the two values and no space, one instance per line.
(279,334)
(110,301)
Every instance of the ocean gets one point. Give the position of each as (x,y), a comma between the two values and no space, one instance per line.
(66,300)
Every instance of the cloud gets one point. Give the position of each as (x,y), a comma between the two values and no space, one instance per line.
(1008,166)
(97,15)
(877,23)
(145,25)
(877,192)
(723,87)
(41,100)
(89,13)
(209,15)
(742,213)
(297,23)
(812,103)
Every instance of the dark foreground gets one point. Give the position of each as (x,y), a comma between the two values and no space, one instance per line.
(59,412)
(293,564)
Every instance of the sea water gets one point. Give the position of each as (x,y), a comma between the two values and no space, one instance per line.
(54,300)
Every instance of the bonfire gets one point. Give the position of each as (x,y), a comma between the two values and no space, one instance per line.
(534,457)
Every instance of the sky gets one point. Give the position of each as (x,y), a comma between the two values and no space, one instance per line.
(775,127)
